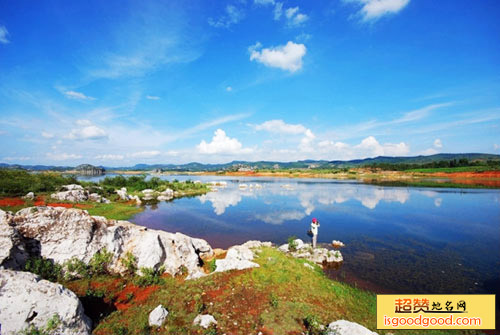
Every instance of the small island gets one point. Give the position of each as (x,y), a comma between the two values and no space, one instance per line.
(89,170)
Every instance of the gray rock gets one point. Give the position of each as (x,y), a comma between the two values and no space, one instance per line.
(256,244)
(74,195)
(60,234)
(122,193)
(12,248)
(237,258)
(204,320)
(343,327)
(157,316)
(72,187)
(29,196)
(163,198)
(25,300)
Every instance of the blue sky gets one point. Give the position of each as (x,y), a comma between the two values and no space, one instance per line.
(118,83)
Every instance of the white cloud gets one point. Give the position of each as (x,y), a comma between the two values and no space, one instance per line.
(279,126)
(278,10)
(47,134)
(17,159)
(263,2)
(145,154)
(438,143)
(152,97)
(3,35)
(221,144)
(294,17)
(496,146)
(371,147)
(232,16)
(428,152)
(375,9)
(286,57)
(62,156)
(77,96)
(229,89)
(86,131)
(109,157)
(290,12)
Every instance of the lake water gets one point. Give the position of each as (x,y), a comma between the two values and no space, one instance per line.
(413,240)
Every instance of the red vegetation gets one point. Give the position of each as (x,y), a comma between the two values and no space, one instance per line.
(10,202)
(132,292)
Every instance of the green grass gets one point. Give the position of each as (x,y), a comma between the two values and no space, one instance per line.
(455,169)
(282,296)
(116,210)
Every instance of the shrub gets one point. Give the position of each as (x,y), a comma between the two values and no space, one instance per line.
(45,268)
(100,262)
(150,276)
(313,325)
(20,182)
(130,262)
(49,328)
(75,268)
(292,245)
(273,300)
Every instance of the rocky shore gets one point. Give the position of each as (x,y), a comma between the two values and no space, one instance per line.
(62,235)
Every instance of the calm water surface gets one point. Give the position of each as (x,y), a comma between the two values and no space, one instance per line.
(414,240)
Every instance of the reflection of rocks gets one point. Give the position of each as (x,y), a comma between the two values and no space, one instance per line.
(60,234)
(25,300)
(343,327)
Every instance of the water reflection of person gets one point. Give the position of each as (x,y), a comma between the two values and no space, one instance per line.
(314,231)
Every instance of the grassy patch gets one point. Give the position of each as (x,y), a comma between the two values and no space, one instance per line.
(116,210)
(282,296)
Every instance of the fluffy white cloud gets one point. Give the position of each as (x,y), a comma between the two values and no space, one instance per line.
(221,144)
(371,147)
(232,16)
(86,131)
(47,134)
(438,143)
(375,9)
(279,126)
(229,89)
(77,96)
(62,156)
(3,35)
(294,17)
(110,157)
(286,57)
(152,97)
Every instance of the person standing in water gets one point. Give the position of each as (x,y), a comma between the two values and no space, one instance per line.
(314,231)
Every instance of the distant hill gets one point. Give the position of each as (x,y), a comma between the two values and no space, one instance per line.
(196,167)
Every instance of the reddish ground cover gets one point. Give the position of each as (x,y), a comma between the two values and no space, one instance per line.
(60,205)
(132,292)
(485,174)
(10,202)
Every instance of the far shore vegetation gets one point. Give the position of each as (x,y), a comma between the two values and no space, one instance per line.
(14,184)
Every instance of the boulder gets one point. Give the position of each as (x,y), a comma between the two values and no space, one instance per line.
(75,195)
(136,198)
(29,196)
(26,300)
(316,255)
(204,320)
(72,187)
(337,244)
(238,258)
(256,244)
(12,247)
(157,316)
(60,234)
(168,192)
(343,327)
(163,198)
(122,193)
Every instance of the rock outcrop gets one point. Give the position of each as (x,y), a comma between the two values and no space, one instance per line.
(89,170)
(26,300)
(316,255)
(157,316)
(238,257)
(343,327)
(76,193)
(61,234)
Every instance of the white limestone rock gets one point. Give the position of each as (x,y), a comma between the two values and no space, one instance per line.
(157,316)
(204,320)
(237,258)
(25,300)
(343,327)
(29,196)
